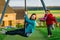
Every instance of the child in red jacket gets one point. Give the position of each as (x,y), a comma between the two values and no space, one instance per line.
(50,20)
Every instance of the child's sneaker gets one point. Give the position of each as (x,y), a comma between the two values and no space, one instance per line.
(28,34)
(3,31)
(49,36)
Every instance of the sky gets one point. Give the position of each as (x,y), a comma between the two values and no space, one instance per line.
(35,3)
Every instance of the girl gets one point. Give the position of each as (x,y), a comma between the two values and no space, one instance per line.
(30,26)
(50,20)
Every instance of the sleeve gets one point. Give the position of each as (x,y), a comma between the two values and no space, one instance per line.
(45,16)
(28,20)
(55,20)
(52,18)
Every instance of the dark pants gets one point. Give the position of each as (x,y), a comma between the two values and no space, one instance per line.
(18,31)
(49,27)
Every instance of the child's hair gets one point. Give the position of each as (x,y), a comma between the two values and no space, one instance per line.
(48,10)
(32,15)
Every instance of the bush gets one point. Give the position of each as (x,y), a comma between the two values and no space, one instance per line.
(19,25)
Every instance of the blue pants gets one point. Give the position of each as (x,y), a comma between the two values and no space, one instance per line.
(49,27)
(17,31)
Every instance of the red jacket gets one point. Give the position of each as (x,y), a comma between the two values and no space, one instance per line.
(50,19)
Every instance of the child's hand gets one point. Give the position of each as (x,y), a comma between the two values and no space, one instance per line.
(25,12)
(41,19)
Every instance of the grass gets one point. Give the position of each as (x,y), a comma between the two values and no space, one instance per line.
(39,34)
(35,36)
(42,11)
(56,33)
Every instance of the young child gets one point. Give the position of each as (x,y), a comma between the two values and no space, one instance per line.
(31,24)
(50,20)
(30,27)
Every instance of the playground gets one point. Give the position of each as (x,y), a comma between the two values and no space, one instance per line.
(40,32)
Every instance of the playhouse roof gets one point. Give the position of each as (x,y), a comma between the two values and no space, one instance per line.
(8,9)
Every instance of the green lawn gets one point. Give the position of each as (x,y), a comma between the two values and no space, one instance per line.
(39,34)
(42,11)
(55,36)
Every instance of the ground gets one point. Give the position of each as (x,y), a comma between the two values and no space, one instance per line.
(39,34)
